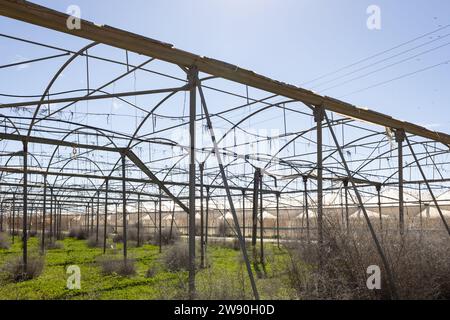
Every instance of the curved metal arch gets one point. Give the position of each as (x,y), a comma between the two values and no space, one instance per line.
(11,122)
(74,131)
(55,77)
(236,125)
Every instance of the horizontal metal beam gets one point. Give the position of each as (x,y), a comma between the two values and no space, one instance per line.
(51,19)
(32,171)
(89,98)
(55,142)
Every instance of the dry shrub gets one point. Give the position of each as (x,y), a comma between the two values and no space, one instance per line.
(166,237)
(152,271)
(176,258)
(53,245)
(420,265)
(117,266)
(229,244)
(132,234)
(78,233)
(224,284)
(5,242)
(32,233)
(92,242)
(13,269)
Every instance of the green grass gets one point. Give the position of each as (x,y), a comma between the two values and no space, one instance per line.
(225,276)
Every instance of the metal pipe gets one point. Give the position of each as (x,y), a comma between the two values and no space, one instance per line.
(318,118)
(192,77)
(25,209)
(124,208)
(105,222)
(399,137)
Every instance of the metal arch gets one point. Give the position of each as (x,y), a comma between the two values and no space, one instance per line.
(55,77)
(11,122)
(236,125)
(74,131)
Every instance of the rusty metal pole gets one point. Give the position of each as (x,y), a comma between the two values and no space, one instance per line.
(155,219)
(278,219)
(400,137)
(192,78)
(347,220)
(13,218)
(139,221)
(202,226)
(97,217)
(105,222)
(243,214)
(124,208)
(207,217)
(305,200)
(318,118)
(87,218)
(25,208)
(160,220)
(261,221)
(256,178)
(420,210)
(51,214)
(378,187)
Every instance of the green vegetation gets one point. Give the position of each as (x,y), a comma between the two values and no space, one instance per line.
(224,277)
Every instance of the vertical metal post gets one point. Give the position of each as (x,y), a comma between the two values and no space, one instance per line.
(261,221)
(243,214)
(25,208)
(124,208)
(44,212)
(97,217)
(256,178)
(400,137)
(318,118)
(92,217)
(139,221)
(192,77)
(155,220)
(160,220)
(420,209)
(202,226)
(305,200)
(278,219)
(347,220)
(207,216)
(87,218)
(59,220)
(51,214)
(105,222)
(13,217)
(379,205)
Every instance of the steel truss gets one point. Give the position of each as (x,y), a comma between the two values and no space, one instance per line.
(56,163)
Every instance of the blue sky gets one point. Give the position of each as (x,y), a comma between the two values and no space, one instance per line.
(298,40)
